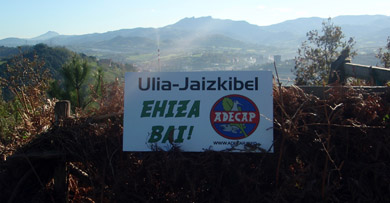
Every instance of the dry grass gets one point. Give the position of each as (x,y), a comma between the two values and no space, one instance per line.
(333,150)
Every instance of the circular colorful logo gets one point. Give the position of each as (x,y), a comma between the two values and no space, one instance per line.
(234,117)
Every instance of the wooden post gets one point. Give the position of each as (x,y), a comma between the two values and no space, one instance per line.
(60,182)
(61,110)
(337,73)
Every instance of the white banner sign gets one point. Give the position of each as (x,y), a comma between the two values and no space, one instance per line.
(198,111)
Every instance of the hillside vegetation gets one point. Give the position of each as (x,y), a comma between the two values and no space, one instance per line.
(34,79)
(54,58)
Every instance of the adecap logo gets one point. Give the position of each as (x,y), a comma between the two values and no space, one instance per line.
(234,117)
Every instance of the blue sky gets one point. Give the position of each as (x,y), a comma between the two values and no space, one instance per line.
(30,18)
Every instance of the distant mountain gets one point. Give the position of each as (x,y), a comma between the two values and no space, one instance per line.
(239,30)
(298,26)
(125,44)
(46,36)
(373,20)
(13,42)
(370,32)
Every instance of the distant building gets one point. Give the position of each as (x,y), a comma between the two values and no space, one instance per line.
(277,58)
(260,59)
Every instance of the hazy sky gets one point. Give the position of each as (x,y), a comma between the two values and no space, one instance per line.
(30,18)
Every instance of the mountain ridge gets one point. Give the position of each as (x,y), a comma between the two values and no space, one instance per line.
(46,36)
(201,32)
(189,23)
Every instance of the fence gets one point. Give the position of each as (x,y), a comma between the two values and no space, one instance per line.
(342,68)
